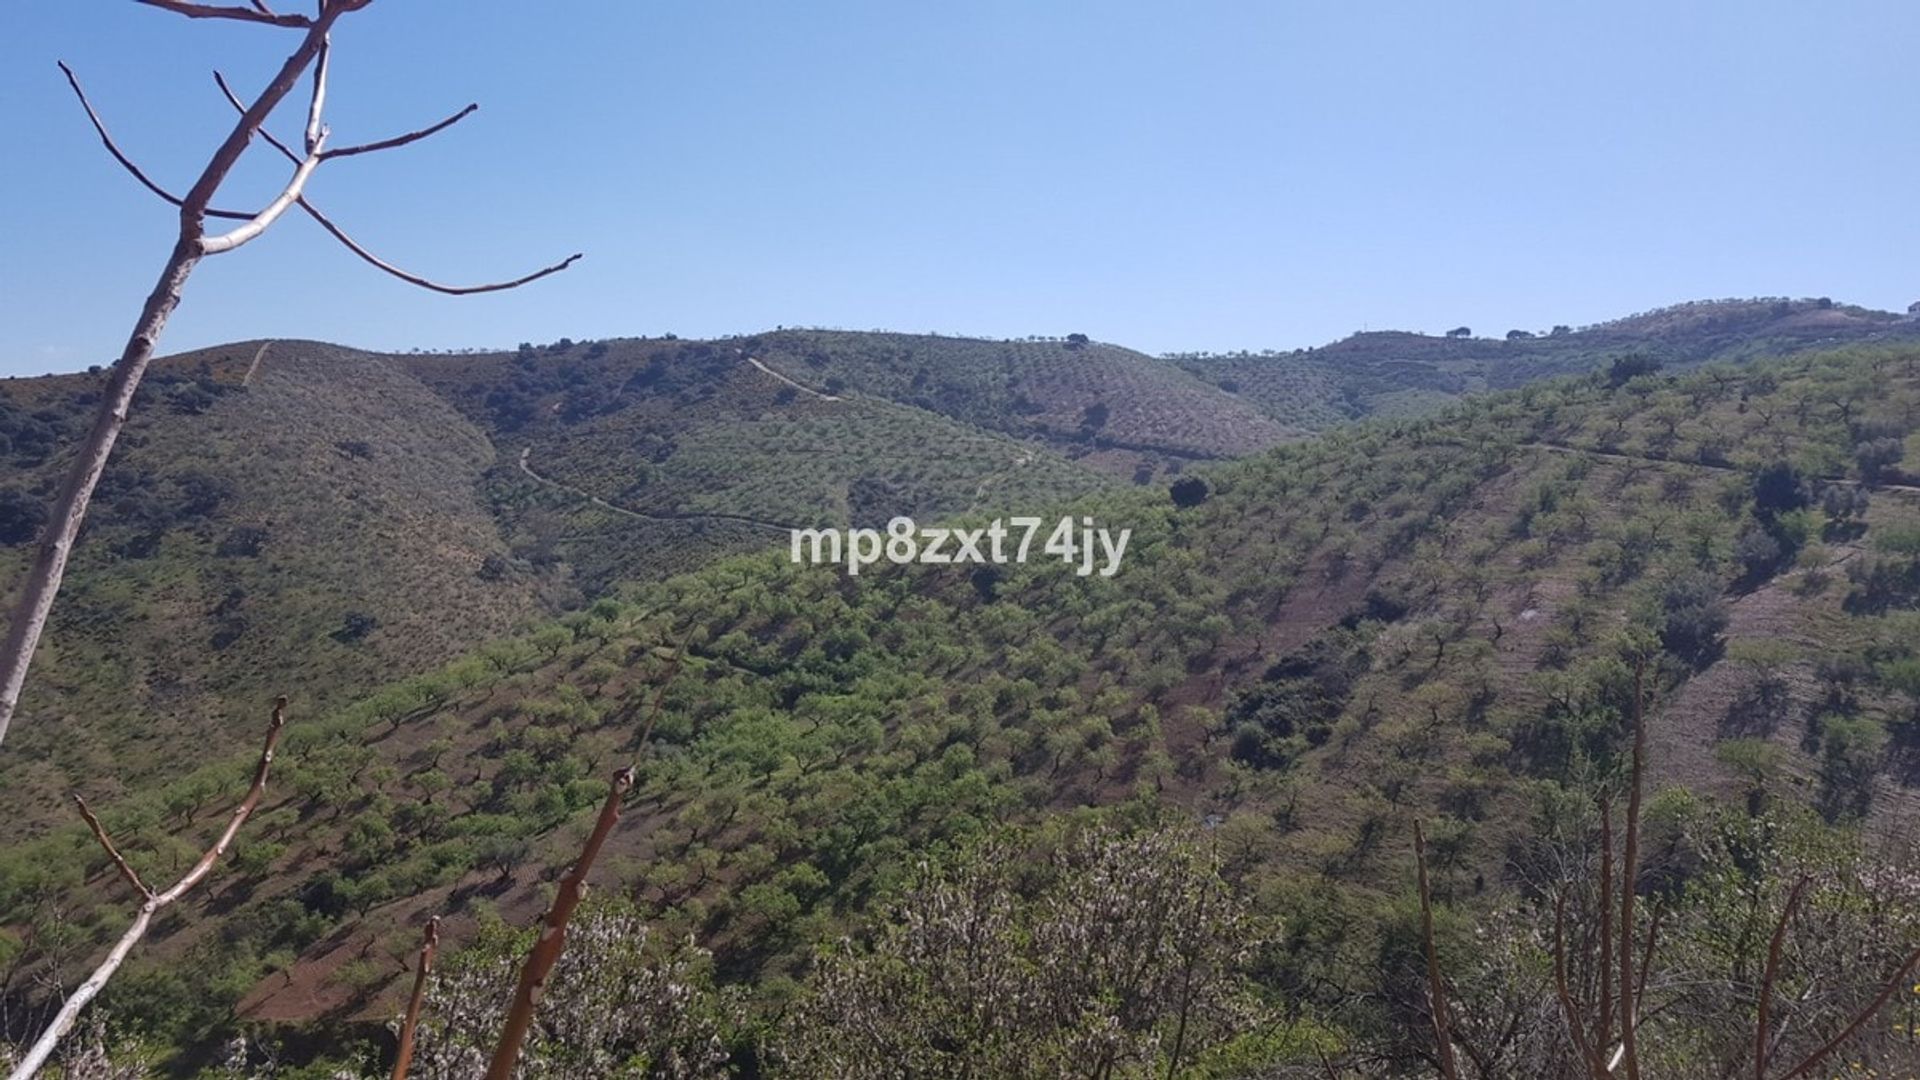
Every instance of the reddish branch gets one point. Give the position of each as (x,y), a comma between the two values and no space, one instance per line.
(151,904)
(1894,982)
(1762,1025)
(403,1056)
(553,927)
(1575,1029)
(553,935)
(1630,873)
(1436,988)
(402,140)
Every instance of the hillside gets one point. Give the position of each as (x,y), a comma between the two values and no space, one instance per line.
(1112,407)
(296,517)
(1395,373)
(291,515)
(1417,618)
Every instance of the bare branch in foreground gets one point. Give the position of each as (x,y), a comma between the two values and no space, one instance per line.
(573,888)
(1436,988)
(40,585)
(1894,982)
(1761,1026)
(315,130)
(259,223)
(359,249)
(125,162)
(100,834)
(258,13)
(403,1056)
(402,140)
(553,935)
(70,1010)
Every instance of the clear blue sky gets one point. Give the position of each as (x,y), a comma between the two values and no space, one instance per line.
(1199,175)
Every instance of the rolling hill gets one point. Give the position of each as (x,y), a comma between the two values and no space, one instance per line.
(1428,618)
(298,516)
(1395,373)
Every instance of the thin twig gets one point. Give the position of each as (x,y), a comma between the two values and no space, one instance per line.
(1574,1028)
(257,14)
(1895,982)
(402,140)
(1630,873)
(369,257)
(126,162)
(100,834)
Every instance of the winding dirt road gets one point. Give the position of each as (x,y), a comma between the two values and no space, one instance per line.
(740,519)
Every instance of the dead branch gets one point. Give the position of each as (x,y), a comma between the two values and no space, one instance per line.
(100,127)
(403,1055)
(402,140)
(1894,982)
(1436,989)
(257,14)
(70,1010)
(1603,1030)
(553,935)
(42,582)
(1630,873)
(553,930)
(100,834)
(318,102)
(1575,1030)
(1774,948)
(217,245)
(360,250)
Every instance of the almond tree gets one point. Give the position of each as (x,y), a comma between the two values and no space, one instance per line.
(308,60)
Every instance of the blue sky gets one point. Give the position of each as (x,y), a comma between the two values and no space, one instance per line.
(1199,175)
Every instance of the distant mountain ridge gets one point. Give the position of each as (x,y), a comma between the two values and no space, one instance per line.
(1397,373)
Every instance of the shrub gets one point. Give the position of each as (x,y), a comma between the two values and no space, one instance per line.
(21,516)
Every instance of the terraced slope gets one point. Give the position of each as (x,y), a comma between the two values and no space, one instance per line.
(1423,619)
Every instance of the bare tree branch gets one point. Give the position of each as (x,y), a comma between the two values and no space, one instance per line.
(217,245)
(100,834)
(1567,1009)
(403,1056)
(257,14)
(360,250)
(1894,982)
(1630,873)
(403,140)
(70,1010)
(315,131)
(126,162)
(573,887)
(1774,948)
(1436,988)
(41,584)
(553,935)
